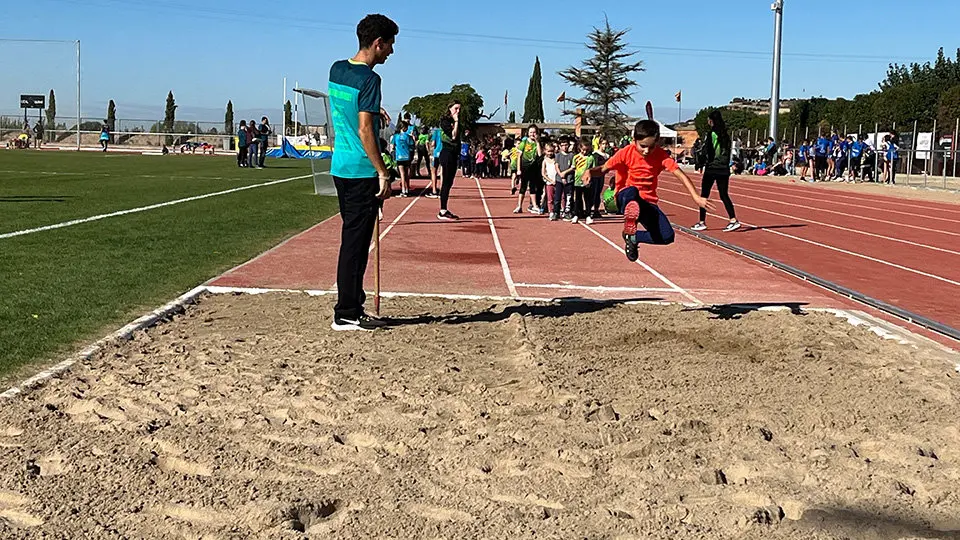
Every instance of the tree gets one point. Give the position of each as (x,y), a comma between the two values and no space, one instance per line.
(513,117)
(605,79)
(288,117)
(228,118)
(431,108)
(169,116)
(111,117)
(948,109)
(51,115)
(533,104)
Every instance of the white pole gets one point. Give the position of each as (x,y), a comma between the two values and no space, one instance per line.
(777,8)
(283,107)
(296,110)
(78,95)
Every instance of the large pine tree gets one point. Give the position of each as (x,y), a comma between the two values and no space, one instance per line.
(606,80)
(288,118)
(533,105)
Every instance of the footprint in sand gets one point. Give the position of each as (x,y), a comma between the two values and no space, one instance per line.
(11,504)
(171,464)
(53,465)
(438,513)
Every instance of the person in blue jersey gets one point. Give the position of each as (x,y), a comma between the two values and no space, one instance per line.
(891,158)
(822,150)
(802,161)
(403,145)
(359,173)
(856,155)
(449,156)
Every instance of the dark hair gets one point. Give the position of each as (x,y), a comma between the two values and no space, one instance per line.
(720,128)
(376,26)
(534,126)
(451,104)
(243,123)
(586,141)
(265,119)
(508,143)
(646,128)
(402,126)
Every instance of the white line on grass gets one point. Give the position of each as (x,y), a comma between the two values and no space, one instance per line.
(648,268)
(511,286)
(833,248)
(145,208)
(841,228)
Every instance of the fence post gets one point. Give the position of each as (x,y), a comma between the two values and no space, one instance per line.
(953,148)
(933,156)
(795,135)
(876,154)
(913,150)
(806,133)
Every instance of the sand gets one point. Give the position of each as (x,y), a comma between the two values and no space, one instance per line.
(247,417)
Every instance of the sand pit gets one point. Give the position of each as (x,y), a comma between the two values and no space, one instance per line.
(247,417)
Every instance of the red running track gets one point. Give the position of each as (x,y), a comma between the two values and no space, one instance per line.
(903,252)
(493,252)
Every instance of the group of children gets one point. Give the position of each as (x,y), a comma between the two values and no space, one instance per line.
(569,194)
(847,159)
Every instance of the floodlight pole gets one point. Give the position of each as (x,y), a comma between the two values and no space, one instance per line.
(78,95)
(777,8)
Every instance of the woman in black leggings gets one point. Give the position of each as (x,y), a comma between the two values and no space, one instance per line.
(717,147)
(449,156)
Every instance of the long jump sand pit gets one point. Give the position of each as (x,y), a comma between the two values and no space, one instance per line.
(247,417)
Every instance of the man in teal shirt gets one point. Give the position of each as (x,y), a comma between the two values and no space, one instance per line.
(358,171)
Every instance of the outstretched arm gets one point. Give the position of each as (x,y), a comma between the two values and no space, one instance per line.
(700,201)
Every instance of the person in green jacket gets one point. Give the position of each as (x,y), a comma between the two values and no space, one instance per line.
(716,150)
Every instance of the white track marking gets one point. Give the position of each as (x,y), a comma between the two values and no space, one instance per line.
(838,227)
(840,194)
(647,267)
(398,218)
(834,248)
(856,216)
(740,189)
(146,208)
(592,288)
(511,286)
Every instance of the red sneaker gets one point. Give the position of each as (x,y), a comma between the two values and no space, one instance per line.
(631,213)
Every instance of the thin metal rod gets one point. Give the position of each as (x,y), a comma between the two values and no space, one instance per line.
(78,95)
(777,7)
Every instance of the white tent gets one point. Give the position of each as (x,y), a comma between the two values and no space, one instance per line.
(665,132)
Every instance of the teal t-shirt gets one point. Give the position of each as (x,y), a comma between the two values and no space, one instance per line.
(354,88)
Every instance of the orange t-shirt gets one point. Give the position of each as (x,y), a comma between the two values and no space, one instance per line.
(634,170)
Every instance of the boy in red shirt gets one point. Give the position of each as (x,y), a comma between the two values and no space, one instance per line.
(637,167)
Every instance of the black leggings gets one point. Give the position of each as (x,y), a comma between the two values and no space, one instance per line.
(448,164)
(723,186)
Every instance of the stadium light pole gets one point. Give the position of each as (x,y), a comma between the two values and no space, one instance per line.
(78,95)
(777,8)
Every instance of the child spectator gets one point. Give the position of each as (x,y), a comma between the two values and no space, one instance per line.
(242,144)
(582,162)
(551,174)
(564,190)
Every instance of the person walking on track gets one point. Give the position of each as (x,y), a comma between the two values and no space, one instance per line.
(449,156)
(358,171)
(716,149)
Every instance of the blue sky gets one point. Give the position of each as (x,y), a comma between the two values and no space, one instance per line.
(134,51)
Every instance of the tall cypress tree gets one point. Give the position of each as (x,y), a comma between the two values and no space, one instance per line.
(111,117)
(288,117)
(533,104)
(51,116)
(228,118)
(605,79)
(169,116)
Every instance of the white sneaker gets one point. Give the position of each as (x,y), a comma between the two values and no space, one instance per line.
(701,226)
(575,220)
(589,220)
(517,210)
(732,226)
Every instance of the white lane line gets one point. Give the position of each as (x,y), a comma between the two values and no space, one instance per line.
(840,194)
(647,267)
(823,200)
(146,208)
(739,193)
(398,218)
(511,286)
(838,227)
(834,248)
(593,288)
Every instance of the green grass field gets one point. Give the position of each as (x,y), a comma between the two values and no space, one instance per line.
(66,287)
